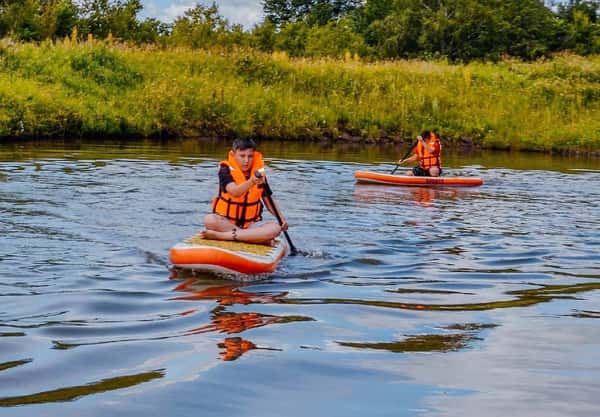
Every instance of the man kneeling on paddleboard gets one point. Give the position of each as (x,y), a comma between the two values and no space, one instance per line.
(239,204)
(428,152)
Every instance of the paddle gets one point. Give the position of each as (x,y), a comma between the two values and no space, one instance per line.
(293,250)
(405,156)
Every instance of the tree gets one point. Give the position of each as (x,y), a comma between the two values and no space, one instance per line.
(101,17)
(457,29)
(21,19)
(264,36)
(151,31)
(334,39)
(314,12)
(203,26)
(58,18)
(532,27)
(569,11)
(292,38)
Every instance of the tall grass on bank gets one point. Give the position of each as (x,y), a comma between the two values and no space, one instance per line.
(82,89)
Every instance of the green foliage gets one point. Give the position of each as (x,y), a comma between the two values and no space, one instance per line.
(22,18)
(263,36)
(334,39)
(59,18)
(32,20)
(103,17)
(105,67)
(254,68)
(150,31)
(588,8)
(292,38)
(319,12)
(204,27)
(580,26)
(67,89)
(458,30)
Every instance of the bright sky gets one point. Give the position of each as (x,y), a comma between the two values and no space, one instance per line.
(245,12)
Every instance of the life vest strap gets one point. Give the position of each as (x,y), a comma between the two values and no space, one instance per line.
(239,209)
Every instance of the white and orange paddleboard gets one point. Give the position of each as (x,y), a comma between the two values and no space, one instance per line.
(389,179)
(227,257)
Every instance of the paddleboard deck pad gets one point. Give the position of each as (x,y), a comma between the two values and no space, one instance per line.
(227,257)
(389,179)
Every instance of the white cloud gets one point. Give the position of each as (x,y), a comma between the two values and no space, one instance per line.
(246,13)
(174,11)
(242,12)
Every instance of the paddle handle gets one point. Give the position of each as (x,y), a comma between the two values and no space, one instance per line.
(405,156)
(268,193)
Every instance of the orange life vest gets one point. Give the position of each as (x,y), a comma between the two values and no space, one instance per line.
(430,159)
(246,209)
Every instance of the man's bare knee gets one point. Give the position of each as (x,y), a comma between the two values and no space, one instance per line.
(275,230)
(212,221)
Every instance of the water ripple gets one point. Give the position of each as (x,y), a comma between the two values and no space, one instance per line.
(478,279)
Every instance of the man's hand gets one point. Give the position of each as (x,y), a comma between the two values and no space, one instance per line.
(284,225)
(257,180)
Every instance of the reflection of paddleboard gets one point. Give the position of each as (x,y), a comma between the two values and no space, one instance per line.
(377,178)
(227,257)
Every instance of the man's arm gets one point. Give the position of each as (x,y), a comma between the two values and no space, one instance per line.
(273,209)
(412,158)
(241,189)
(227,182)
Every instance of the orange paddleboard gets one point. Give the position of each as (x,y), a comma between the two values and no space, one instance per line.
(227,257)
(377,178)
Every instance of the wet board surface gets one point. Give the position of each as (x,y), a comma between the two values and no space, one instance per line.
(227,256)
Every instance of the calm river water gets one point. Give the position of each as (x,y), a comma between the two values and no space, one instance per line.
(411,302)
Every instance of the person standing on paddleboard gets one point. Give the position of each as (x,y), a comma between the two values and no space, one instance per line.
(239,203)
(428,152)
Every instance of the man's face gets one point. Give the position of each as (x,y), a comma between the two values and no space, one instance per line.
(244,158)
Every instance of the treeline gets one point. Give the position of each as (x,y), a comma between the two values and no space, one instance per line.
(459,30)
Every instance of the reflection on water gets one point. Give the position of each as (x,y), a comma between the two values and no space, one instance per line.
(7,365)
(223,321)
(224,295)
(71,393)
(234,347)
(424,197)
(412,301)
(525,298)
(429,342)
(587,314)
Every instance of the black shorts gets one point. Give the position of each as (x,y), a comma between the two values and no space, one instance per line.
(420,172)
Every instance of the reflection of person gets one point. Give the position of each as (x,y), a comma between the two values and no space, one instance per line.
(225,295)
(240,201)
(235,347)
(230,322)
(428,153)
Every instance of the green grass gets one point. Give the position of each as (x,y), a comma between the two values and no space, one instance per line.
(94,89)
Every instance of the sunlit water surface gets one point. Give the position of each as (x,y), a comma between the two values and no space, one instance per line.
(409,301)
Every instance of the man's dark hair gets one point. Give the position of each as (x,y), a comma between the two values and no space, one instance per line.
(425,134)
(243,143)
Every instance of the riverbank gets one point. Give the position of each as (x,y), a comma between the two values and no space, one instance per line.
(93,89)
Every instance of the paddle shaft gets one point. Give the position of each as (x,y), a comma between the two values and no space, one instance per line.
(268,193)
(405,156)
